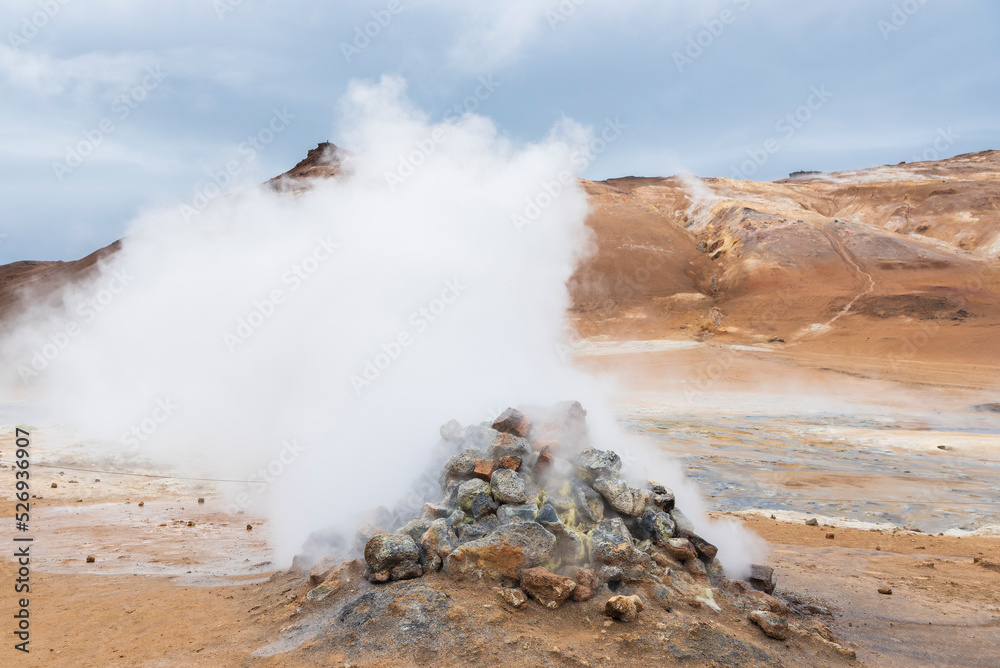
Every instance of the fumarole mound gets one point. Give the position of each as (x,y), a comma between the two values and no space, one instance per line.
(526,514)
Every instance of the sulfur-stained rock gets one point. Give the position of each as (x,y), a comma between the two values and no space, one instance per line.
(623,608)
(513,421)
(625,499)
(593,463)
(504,552)
(588,503)
(546,587)
(770,623)
(468,490)
(653,525)
(509,487)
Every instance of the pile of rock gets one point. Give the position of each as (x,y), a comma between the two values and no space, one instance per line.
(555,528)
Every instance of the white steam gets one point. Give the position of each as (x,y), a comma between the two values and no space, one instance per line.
(353,320)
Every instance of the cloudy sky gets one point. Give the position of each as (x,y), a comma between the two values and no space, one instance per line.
(111,107)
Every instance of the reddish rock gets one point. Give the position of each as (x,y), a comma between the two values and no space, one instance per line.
(586,585)
(512,463)
(485,468)
(544,461)
(513,421)
(546,587)
(623,608)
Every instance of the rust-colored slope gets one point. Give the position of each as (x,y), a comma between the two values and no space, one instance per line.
(892,261)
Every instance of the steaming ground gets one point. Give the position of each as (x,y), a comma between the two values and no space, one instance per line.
(315,342)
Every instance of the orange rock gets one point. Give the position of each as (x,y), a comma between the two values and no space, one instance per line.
(512,463)
(485,468)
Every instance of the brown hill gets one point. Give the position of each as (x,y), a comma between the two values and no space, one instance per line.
(891,261)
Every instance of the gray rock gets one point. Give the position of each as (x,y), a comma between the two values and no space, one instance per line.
(762,578)
(436,544)
(394,554)
(456,519)
(681,521)
(460,467)
(470,532)
(663,596)
(508,445)
(509,514)
(509,487)
(416,528)
(652,525)
(468,490)
(482,505)
(613,552)
(504,552)
(479,437)
(435,511)
(770,623)
(593,463)
(452,431)
(547,514)
(620,496)
(663,496)
(589,504)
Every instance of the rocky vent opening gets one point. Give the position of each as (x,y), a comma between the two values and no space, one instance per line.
(531,509)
